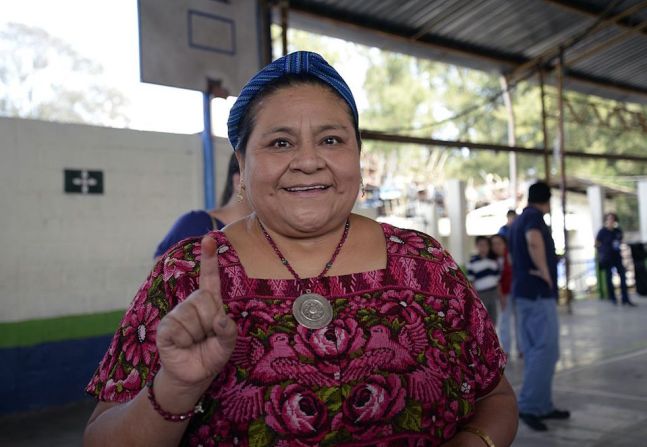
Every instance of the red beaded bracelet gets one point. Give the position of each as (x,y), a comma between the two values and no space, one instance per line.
(170,416)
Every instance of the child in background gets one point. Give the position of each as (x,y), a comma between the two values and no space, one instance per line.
(484,273)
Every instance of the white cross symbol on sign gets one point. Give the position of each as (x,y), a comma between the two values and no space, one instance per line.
(85,181)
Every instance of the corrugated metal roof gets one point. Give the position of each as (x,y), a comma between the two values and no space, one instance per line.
(499,35)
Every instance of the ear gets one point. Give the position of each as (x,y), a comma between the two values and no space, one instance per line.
(241,163)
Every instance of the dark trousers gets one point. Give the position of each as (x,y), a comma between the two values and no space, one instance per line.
(608,270)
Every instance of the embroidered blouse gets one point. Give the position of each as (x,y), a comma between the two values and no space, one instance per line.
(409,350)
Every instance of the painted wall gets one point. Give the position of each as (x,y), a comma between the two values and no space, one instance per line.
(71,263)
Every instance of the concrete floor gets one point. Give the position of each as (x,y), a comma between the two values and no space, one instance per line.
(601,378)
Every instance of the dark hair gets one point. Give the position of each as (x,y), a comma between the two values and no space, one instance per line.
(482,238)
(232,170)
(539,193)
(247,122)
(511,213)
(490,253)
(614,215)
(500,236)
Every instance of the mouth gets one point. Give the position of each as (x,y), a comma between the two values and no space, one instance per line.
(306,188)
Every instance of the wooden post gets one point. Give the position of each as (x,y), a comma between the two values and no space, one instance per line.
(284,7)
(512,141)
(543,126)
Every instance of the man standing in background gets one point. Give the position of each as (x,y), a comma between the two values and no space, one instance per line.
(534,289)
(608,243)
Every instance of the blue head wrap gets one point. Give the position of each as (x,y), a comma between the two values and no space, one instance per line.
(294,63)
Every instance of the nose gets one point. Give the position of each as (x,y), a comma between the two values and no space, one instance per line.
(307,159)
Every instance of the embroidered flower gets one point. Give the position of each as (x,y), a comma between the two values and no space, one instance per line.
(226,255)
(123,390)
(175,266)
(250,312)
(339,338)
(139,334)
(296,412)
(405,242)
(371,405)
(402,302)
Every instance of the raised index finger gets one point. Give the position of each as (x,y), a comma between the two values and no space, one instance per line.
(209,271)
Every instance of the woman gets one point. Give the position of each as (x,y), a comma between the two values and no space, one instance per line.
(303,324)
(500,249)
(200,222)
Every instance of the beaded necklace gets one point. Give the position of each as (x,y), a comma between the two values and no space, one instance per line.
(310,309)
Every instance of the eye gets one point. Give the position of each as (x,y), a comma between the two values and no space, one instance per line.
(280,143)
(330,141)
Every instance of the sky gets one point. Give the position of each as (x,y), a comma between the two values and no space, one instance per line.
(107,32)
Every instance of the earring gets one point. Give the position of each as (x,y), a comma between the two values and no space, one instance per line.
(362,187)
(239,194)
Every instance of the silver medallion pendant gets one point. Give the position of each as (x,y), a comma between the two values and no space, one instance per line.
(312,311)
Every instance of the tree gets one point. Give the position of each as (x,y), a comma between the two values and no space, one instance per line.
(42,77)
(425,98)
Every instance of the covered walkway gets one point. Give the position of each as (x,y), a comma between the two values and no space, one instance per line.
(601,378)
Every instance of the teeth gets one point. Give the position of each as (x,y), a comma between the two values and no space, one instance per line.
(306,188)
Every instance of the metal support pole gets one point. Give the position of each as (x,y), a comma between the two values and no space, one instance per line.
(207,154)
(543,126)
(562,163)
(284,7)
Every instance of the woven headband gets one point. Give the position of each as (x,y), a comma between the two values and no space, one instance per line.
(294,63)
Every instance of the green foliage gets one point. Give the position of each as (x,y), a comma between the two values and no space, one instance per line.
(430,99)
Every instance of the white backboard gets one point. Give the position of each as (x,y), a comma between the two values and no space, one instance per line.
(184,43)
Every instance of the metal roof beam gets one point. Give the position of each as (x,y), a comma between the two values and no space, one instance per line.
(587,9)
(360,23)
(549,55)
(406,139)
(613,41)
(356,28)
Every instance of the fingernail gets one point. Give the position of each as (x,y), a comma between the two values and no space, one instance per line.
(223,322)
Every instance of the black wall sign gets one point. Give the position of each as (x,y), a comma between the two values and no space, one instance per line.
(82,181)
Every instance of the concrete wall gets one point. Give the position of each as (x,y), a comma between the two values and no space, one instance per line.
(71,263)
(75,254)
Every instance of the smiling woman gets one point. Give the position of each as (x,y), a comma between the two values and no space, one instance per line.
(303,324)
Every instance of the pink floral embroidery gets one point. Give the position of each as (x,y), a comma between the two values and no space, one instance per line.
(175,266)
(344,337)
(297,412)
(408,352)
(402,302)
(122,390)
(202,437)
(139,334)
(249,311)
(226,255)
(405,243)
(372,404)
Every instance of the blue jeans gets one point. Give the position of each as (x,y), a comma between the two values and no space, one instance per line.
(506,318)
(539,336)
(623,281)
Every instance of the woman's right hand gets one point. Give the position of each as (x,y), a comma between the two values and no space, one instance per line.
(196,339)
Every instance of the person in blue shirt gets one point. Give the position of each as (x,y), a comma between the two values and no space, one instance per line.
(534,290)
(200,222)
(608,243)
(504,231)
